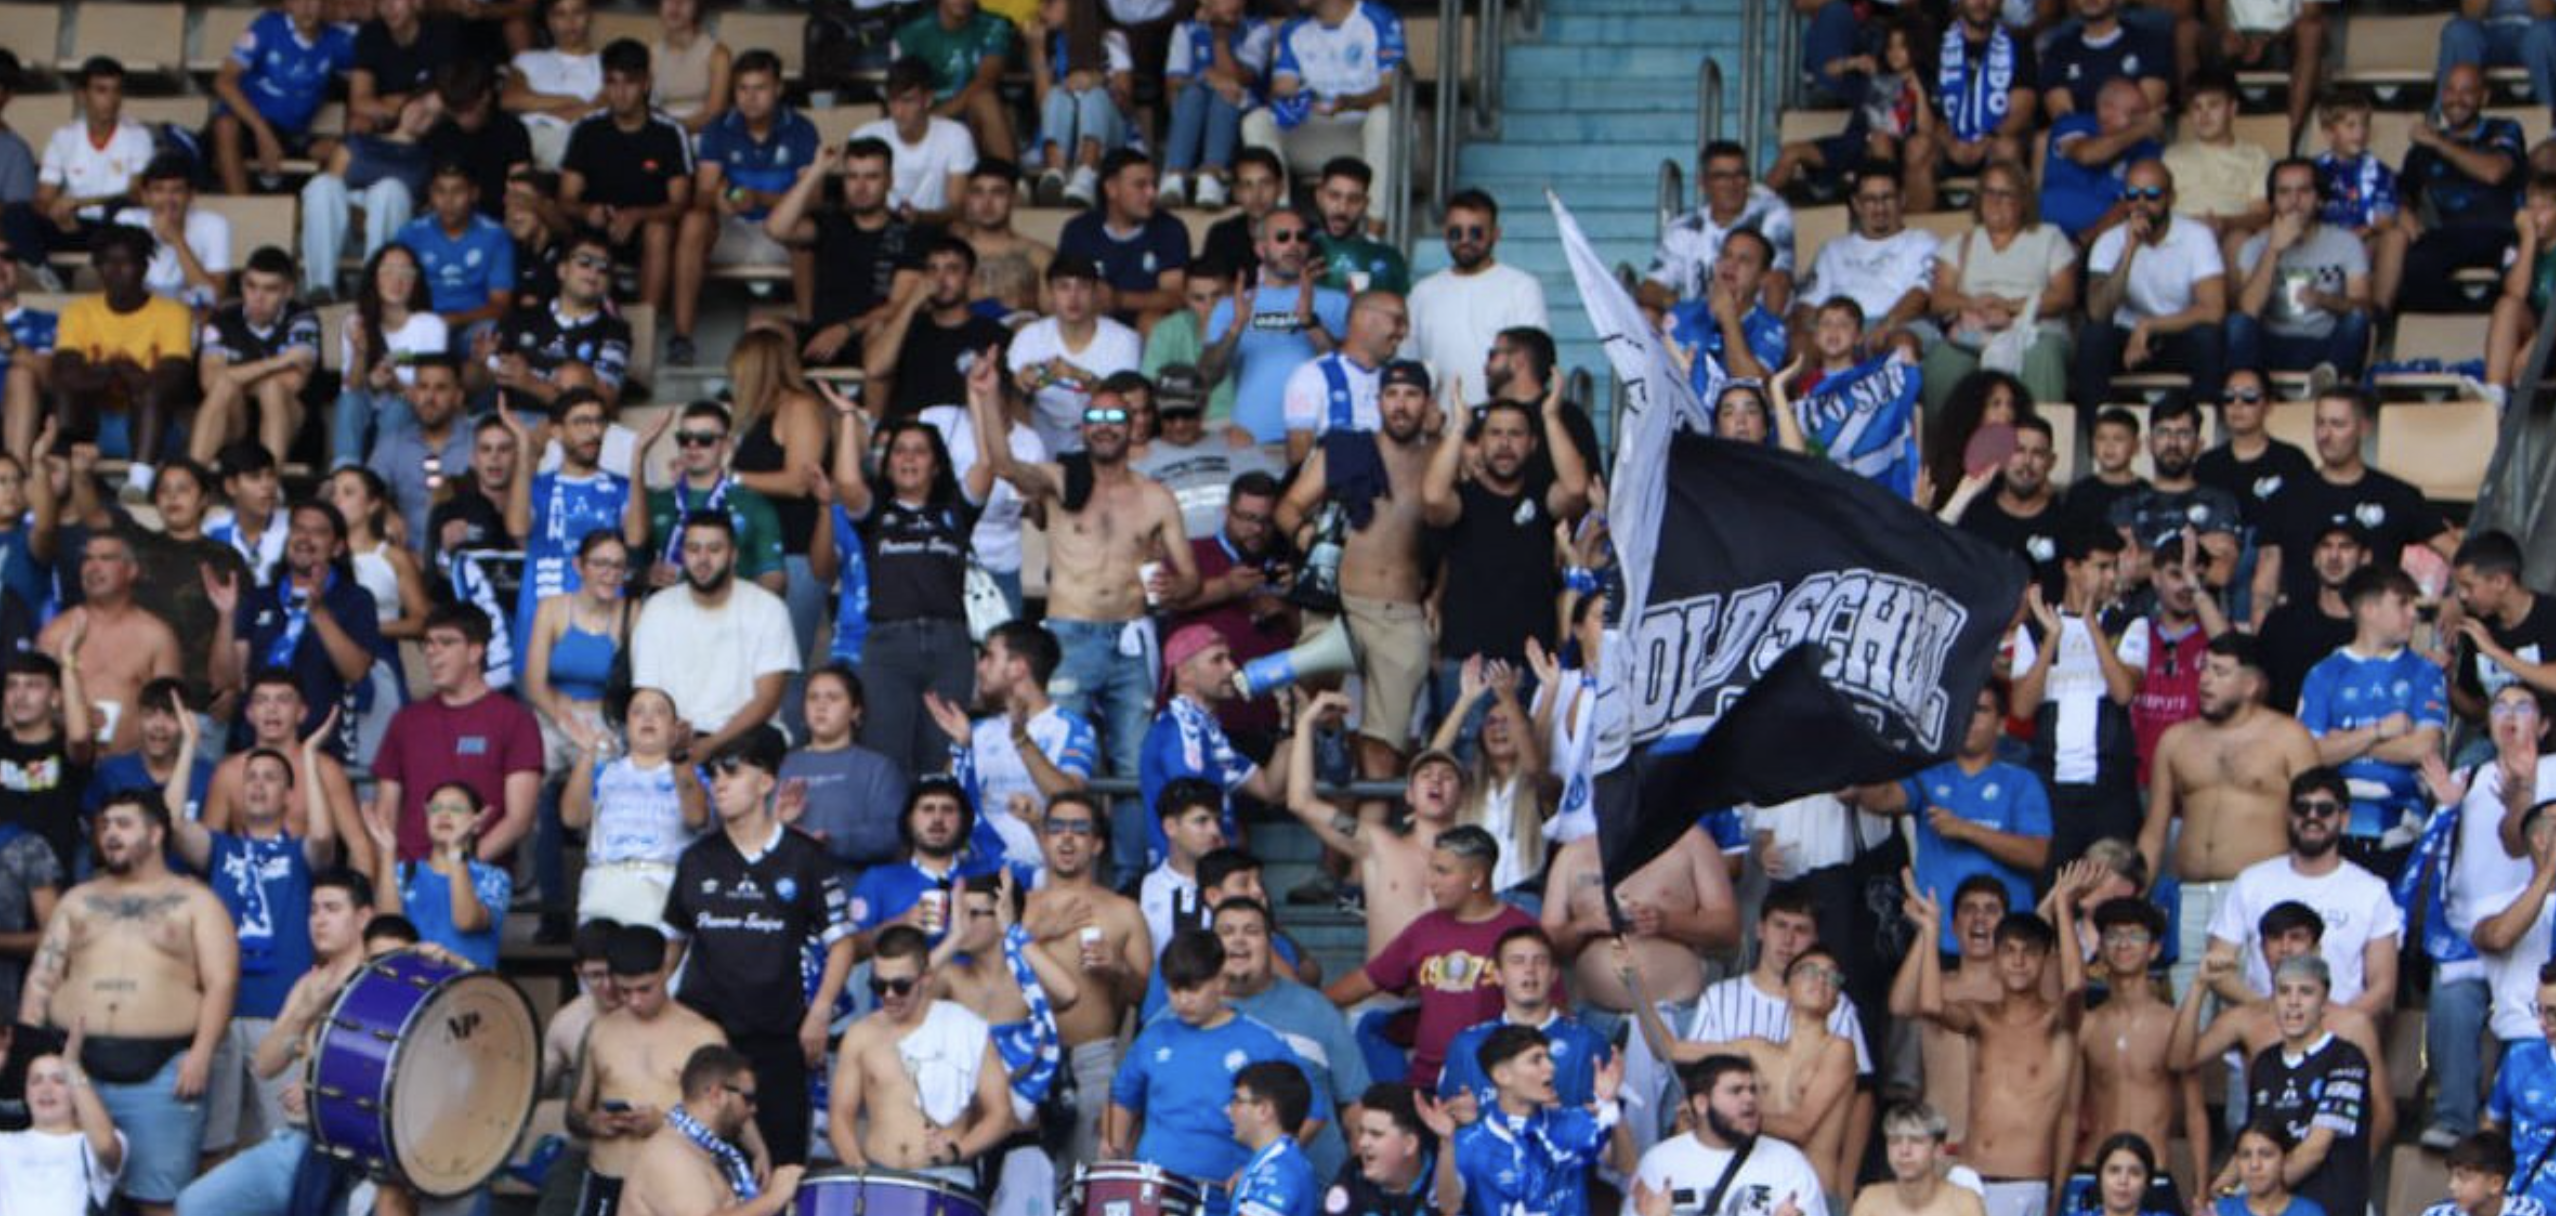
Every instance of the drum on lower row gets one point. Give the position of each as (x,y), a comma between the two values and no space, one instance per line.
(1130,1188)
(424,1073)
(845,1191)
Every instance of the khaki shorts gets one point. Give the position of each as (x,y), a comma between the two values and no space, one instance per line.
(240,1109)
(1393,662)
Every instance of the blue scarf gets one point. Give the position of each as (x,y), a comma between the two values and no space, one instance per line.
(683,509)
(297,617)
(1975,97)
(1031,1047)
(732,1160)
(2431,860)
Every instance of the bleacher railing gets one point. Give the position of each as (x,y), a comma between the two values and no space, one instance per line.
(2512,497)
(1462,115)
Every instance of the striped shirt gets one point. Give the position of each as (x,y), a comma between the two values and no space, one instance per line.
(1736,1009)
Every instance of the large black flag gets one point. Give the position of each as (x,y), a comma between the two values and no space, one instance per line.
(1804,630)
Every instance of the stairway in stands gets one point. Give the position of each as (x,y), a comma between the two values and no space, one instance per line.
(1590,109)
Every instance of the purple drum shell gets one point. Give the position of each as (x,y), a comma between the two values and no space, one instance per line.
(1131,1188)
(357,1065)
(878,1192)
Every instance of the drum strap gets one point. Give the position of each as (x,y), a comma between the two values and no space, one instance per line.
(732,1160)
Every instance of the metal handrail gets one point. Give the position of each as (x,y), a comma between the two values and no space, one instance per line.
(1485,111)
(1788,56)
(1531,19)
(1670,202)
(1398,202)
(1752,60)
(1580,385)
(1708,101)
(1450,88)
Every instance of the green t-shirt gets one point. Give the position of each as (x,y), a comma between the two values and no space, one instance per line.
(758,529)
(1381,263)
(1175,340)
(954,54)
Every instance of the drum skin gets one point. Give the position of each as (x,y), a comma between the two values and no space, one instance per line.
(425,1073)
(876,1192)
(1131,1188)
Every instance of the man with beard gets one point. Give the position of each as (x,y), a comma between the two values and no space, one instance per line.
(1261,334)
(1353,260)
(551,512)
(629,1079)
(1457,312)
(1496,530)
(145,963)
(936,336)
(1243,574)
(865,255)
(918,1085)
(2216,789)
(721,647)
(1009,266)
(2022,515)
(2305,629)
(696,1165)
(273,711)
(939,830)
(1342,391)
(466,732)
(2362,921)
(1026,749)
(1724,1160)
(1393,864)
(2461,185)
(2174,499)
(1105,934)
(124,647)
(747,900)
(1375,479)
(314,620)
(1104,524)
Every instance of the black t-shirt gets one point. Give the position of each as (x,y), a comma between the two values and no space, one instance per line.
(918,560)
(229,334)
(545,339)
(1500,582)
(1576,424)
(2151,512)
(2532,641)
(2295,637)
(2329,1089)
(2254,482)
(747,922)
(2068,63)
(483,528)
(498,145)
(856,266)
(40,789)
(2391,512)
(628,168)
(404,70)
(1229,245)
(927,366)
(1352,1195)
(2089,503)
(537,272)
(2036,537)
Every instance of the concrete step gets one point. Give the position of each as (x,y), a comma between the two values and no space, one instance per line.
(1726,9)
(1573,92)
(1611,62)
(1531,220)
(1716,23)
(1664,125)
(1570,161)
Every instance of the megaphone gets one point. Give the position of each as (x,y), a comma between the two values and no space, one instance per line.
(1327,653)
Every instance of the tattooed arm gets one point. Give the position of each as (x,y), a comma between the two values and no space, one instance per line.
(45,974)
(217,968)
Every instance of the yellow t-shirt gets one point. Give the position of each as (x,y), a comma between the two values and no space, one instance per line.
(2217,180)
(161,329)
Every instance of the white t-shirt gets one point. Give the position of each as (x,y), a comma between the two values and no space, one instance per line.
(52,1173)
(2354,903)
(1813,832)
(997,539)
(1454,319)
(2162,276)
(1774,1172)
(1001,773)
(84,170)
(638,813)
(559,74)
(1057,411)
(2482,880)
(1874,274)
(708,659)
(1161,897)
(1736,1009)
(207,233)
(2076,687)
(1308,395)
(2512,976)
(424,333)
(922,170)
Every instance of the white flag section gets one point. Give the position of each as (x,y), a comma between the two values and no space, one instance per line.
(1657,399)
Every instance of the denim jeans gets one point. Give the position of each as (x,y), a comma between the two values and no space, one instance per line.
(164,1131)
(326,201)
(1830,36)
(2527,44)
(1070,117)
(1204,130)
(2250,344)
(902,661)
(257,1182)
(1114,691)
(2199,352)
(2454,1042)
(361,414)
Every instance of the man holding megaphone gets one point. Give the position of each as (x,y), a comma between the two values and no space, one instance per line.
(1185,739)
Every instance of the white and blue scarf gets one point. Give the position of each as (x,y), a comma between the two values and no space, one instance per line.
(1975,97)
(732,1160)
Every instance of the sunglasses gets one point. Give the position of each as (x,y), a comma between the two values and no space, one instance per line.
(1286,236)
(746,1094)
(2248,396)
(1467,232)
(901,986)
(588,261)
(730,765)
(1072,827)
(2144,194)
(1105,417)
(2316,808)
(700,439)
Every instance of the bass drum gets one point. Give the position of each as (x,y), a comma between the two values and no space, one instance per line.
(424,1073)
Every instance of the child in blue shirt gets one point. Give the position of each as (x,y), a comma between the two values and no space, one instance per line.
(2381,697)
(1528,1152)
(2482,1181)
(1178,1077)
(272,85)
(456,900)
(1270,1102)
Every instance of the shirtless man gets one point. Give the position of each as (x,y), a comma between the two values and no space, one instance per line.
(1979,903)
(123,646)
(2226,775)
(633,1069)
(1392,865)
(2130,1085)
(274,711)
(924,1073)
(1009,267)
(1104,521)
(146,963)
(1913,1144)
(2288,930)
(979,964)
(1104,933)
(2025,1056)
(1680,906)
(1383,580)
(1806,1079)
(696,1165)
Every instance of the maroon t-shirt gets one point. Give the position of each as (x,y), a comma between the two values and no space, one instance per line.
(1233,620)
(478,744)
(1447,964)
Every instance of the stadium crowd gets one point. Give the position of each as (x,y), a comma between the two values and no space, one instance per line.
(865,854)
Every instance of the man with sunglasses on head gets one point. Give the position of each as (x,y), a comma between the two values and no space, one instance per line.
(1458,312)
(698,1164)
(629,1077)
(746,900)
(1104,933)
(1262,333)
(2362,921)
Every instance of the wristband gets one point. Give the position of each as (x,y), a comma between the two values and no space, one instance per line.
(1580,579)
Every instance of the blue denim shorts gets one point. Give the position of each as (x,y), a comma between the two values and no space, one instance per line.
(164,1133)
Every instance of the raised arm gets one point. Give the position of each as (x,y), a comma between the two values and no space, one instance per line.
(1336,829)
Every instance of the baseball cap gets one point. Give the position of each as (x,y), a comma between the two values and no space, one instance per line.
(1178,388)
(1405,371)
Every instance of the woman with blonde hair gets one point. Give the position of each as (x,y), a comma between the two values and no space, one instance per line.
(1505,790)
(780,429)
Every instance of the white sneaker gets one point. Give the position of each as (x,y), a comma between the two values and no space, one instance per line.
(1083,188)
(1211,193)
(1175,189)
